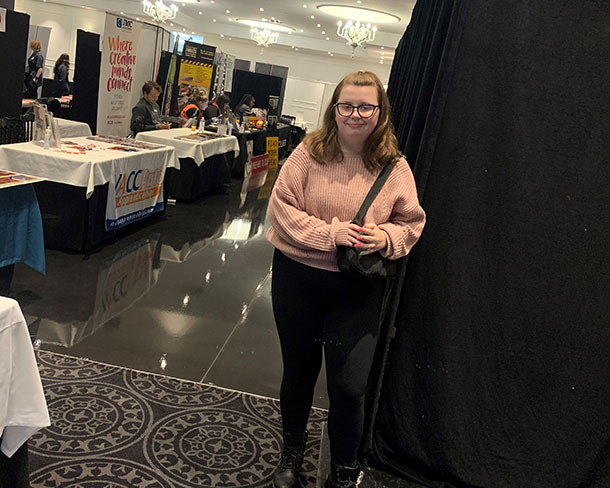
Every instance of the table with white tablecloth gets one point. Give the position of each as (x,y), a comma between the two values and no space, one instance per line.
(73,201)
(204,164)
(23,408)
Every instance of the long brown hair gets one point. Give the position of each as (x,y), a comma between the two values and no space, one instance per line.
(63,59)
(380,148)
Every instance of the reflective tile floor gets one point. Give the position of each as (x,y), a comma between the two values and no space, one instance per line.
(186,295)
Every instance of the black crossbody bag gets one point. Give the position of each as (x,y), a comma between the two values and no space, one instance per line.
(370,265)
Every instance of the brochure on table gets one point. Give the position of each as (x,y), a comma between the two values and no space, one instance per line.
(9,179)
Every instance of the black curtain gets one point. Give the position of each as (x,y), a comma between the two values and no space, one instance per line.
(86,78)
(13,41)
(497,375)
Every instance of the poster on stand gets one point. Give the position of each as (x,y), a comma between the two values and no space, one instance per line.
(196,67)
(119,48)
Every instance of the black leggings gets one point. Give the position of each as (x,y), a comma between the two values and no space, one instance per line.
(319,310)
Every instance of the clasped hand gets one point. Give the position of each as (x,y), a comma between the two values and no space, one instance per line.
(367,239)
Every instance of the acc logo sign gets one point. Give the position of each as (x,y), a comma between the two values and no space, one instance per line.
(125,24)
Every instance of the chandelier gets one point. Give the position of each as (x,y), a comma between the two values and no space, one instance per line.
(159,11)
(263,37)
(356,34)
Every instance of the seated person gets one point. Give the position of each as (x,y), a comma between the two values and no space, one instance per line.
(217,108)
(244,108)
(193,111)
(146,115)
(60,76)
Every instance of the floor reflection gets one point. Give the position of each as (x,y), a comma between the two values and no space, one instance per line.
(187,295)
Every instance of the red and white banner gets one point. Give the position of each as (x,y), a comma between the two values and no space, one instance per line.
(119,48)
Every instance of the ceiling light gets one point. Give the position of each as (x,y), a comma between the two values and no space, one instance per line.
(263,37)
(304,6)
(356,34)
(359,13)
(312,17)
(228,11)
(213,20)
(200,13)
(122,13)
(222,35)
(323,32)
(358,1)
(193,32)
(159,11)
(318,25)
(274,26)
(262,9)
(382,47)
(328,38)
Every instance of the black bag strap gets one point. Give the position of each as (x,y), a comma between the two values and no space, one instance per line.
(374,191)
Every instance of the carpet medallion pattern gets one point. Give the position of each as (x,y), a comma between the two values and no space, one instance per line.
(114,427)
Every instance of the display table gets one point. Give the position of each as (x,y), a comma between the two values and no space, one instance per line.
(204,164)
(65,102)
(23,408)
(73,201)
(71,128)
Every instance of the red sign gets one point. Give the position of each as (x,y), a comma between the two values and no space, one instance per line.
(260,166)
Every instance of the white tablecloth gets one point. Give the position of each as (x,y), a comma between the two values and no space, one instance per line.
(71,128)
(23,408)
(86,170)
(197,150)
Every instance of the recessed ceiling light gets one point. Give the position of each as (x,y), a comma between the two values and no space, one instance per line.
(222,35)
(231,19)
(122,13)
(358,1)
(292,47)
(304,6)
(200,13)
(359,13)
(302,30)
(228,11)
(184,4)
(262,9)
(323,32)
(312,17)
(266,25)
(382,47)
(328,38)
(213,20)
(183,29)
(211,1)
(137,18)
(172,24)
(296,48)
(193,32)
(318,25)
(230,38)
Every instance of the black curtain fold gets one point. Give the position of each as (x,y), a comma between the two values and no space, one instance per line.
(496,376)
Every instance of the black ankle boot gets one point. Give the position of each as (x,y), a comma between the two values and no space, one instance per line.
(287,474)
(343,476)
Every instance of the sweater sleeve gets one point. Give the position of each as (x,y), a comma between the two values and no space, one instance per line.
(407,219)
(288,217)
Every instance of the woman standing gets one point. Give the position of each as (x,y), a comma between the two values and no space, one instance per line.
(317,308)
(35,70)
(60,72)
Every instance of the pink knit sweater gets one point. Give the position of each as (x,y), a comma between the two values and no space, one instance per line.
(312,205)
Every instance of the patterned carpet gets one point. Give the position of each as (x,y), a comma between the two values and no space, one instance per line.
(119,428)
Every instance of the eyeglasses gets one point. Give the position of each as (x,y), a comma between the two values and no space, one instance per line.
(365,111)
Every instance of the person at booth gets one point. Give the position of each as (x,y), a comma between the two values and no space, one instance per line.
(244,108)
(193,111)
(146,115)
(61,86)
(217,108)
(33,76)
